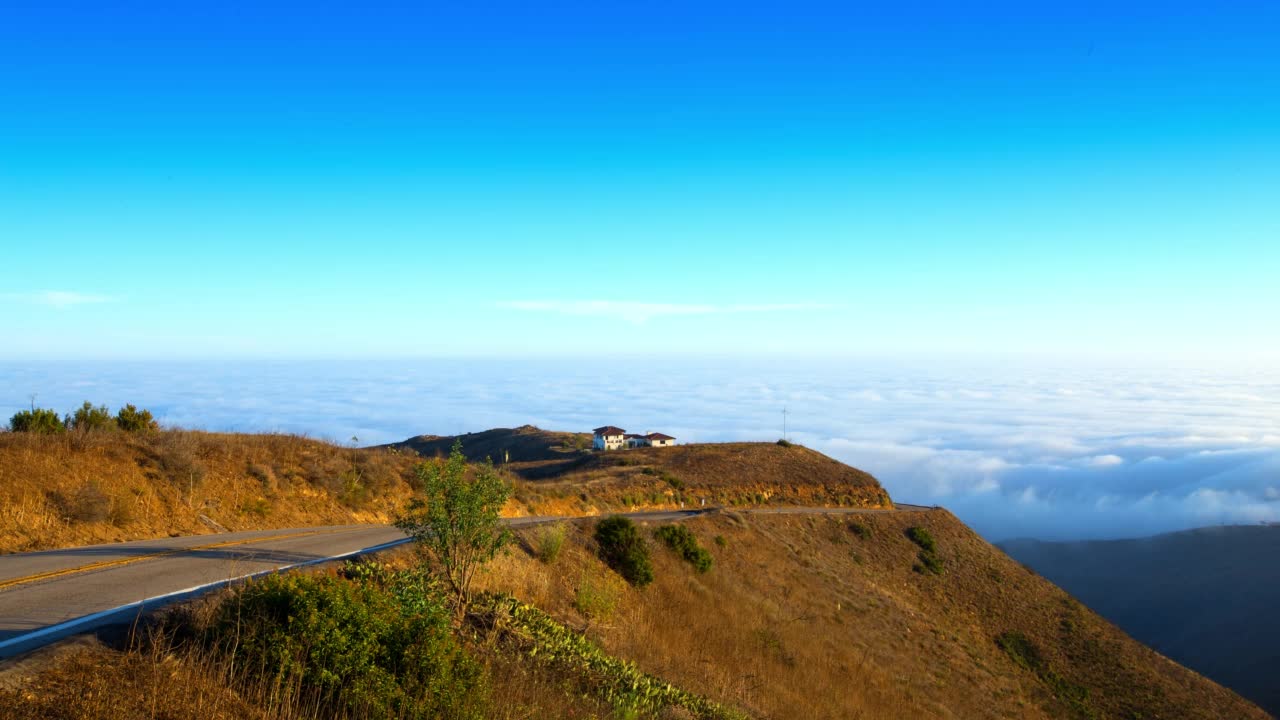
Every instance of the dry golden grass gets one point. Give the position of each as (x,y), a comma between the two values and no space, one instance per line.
(801,617)
(728,474)
(82,488)
(77,488)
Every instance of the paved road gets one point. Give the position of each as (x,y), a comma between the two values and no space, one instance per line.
(48,595)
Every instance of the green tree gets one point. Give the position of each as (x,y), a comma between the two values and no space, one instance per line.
(87,418)
(622,549)
(455,519)
(131,419)
(37,420)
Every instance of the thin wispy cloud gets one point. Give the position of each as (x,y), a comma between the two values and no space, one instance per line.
(58,298)
(644,311)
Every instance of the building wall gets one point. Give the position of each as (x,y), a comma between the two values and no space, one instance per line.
(608,442)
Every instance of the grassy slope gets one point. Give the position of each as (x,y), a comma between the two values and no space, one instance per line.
(801,617)
(1205,597)
(74,489)
(728,474)
(523,444)
(59,491)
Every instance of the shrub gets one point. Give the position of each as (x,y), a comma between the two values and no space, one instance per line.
(596,598)
(88,418)
(259,507)
(721,541)
(921,537)
(623,549)
(89,504)
(551,542)
(786,443)
(179,461)
(131,419)
(585,665)
(929,563)
(455,521)
(680,539)
(862,532)
(377,646)
(37,420)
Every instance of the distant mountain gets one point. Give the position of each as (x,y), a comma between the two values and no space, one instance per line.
(1207,598)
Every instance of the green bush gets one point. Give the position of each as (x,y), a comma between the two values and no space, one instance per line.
(88,418)
(721,541)
(623,549)
(785,443)
(38,420)
(929,563)
(379,645)
(921,537)
(862,532)
(551,542)
(680,539)
(131,419)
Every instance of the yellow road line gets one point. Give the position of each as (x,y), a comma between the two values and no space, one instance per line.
(154,556)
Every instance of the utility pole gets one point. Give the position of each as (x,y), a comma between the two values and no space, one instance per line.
(784,422)
(33,401)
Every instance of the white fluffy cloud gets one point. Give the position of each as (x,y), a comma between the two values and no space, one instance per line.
(1023,451)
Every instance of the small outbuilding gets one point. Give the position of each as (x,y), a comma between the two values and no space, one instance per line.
(659,440)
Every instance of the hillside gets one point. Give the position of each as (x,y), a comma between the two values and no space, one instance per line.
(81,488)
(554,475)
(1206,598)
(502,445)
(800,616)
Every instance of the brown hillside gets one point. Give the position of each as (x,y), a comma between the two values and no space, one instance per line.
(516,445)
(80,488)
(554,473)
(825,617)
(76,488)
(728,474)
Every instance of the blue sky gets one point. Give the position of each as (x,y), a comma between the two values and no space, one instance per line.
(374,179)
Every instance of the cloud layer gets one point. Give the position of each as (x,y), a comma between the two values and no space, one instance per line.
(1015,451)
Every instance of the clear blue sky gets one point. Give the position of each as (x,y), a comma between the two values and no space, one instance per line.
(423,179)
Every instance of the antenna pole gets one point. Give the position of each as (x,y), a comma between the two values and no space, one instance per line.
(784,422)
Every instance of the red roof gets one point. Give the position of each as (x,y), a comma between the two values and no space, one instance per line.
(658,436)
(609,430)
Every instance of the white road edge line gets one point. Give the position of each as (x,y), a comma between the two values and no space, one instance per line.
(64,627)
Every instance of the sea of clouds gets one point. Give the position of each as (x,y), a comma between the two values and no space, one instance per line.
(1016,449)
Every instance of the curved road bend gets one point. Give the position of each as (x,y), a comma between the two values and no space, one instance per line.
(51,594)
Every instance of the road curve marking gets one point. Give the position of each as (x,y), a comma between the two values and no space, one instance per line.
(51,574)
(62,629)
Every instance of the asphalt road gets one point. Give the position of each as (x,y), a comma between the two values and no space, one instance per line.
(47,595)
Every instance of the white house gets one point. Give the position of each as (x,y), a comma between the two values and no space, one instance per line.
(609,438)
(615,438)
(659,440)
